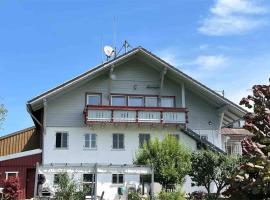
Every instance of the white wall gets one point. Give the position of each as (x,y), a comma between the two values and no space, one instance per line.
(104,152)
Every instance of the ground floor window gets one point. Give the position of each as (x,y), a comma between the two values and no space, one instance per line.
(89,183)
(118,178)
(11,174)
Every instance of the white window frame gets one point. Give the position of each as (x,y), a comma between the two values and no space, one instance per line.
(90,141)
(11,172)
(93,95)
(146,97)
(120,95)
(91,183)
(167,97)
(119,149)
(117,178)
(62,132)
(142,97)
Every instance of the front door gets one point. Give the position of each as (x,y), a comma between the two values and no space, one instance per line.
(30,183)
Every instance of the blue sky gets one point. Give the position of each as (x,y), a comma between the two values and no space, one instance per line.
(222,43)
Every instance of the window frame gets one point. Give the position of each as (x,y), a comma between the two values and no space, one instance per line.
(136,96)
(118,95)
(118,142)
(91,183)
(144,134)
(117,179)
(11,172)
(90,141)
(62,132)
(172,97)
(93,94)
(151,97)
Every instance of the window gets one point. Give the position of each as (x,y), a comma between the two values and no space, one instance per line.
(143,138)
(135,101)
(89,183)
(94,99)
(167,101)
(90,141)
(118,141)
(61,140)
(118,100)
(11,174)
(151,101)
(118,178)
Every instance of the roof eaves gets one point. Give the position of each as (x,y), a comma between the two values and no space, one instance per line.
(17,132)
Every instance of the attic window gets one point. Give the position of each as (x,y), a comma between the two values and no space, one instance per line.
(93,99)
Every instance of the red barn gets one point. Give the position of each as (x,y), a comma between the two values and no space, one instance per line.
(19,153)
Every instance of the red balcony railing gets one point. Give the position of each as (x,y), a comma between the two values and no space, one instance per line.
(127,114)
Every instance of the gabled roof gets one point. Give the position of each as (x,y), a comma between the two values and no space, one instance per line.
(232,111)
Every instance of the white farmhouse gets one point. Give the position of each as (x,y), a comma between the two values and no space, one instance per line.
(93,125)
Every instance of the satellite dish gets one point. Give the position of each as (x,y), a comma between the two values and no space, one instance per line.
(109,51)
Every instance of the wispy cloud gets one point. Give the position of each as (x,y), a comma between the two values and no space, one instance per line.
(210,62)
(229,17)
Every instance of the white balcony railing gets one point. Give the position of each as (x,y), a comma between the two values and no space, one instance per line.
(117,114)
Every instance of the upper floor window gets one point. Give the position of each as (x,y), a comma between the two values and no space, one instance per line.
(167,101)
(135,101)
(151,101)
(90,141)
(144,138)
(118,141)
(61,140)
(118,100)
(94,99)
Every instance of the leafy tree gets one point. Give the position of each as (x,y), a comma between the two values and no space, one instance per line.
(170,159)
(209,167)
(68,189)
(251,180)
(3,113)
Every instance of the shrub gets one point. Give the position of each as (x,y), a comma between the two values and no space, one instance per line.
(171,195)
(11,188)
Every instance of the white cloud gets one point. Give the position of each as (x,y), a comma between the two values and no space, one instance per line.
(228,17)
(211,62)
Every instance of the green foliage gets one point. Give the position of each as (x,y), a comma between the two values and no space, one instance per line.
(170,159)
(171,195)
(211,167)
(3,113)
(136,196)
(68,189)
(251,179)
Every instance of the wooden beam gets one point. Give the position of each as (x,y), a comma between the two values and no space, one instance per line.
(162,74)
(183,95)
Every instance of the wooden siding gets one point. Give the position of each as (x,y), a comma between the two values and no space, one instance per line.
(21,165)
(24,140)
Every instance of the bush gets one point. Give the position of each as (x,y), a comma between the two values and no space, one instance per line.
(11,188)
(171,195)
(133,196)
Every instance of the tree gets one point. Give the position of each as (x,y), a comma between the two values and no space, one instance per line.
(251,179)
(3,113)
(210,167)
(170,159)
(68,189)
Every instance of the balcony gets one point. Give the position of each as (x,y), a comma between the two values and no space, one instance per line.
(125,114)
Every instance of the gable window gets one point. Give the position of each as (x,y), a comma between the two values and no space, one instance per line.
(151,101)
(11,174)
(135,101)
(167,101)
(143,138)
(89,183)
(61,140)
(90,141)
(93,99)
(118,100)
(118,178)
(118,141)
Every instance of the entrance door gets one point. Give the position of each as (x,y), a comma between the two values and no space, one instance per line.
(30,183)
